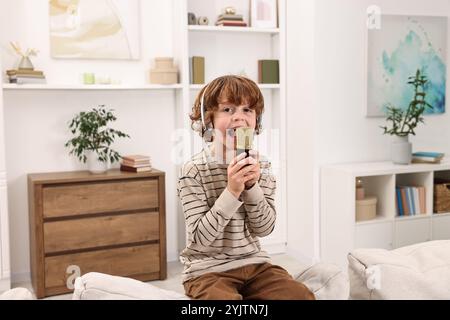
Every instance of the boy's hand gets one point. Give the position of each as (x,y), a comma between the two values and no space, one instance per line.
(255,171)
(239,172)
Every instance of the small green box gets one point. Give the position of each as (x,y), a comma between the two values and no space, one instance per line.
(268,71)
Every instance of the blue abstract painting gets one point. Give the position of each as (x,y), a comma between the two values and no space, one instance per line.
(396,50)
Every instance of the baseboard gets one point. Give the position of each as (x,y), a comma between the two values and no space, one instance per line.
(304,259)
(5,284)
(21,277)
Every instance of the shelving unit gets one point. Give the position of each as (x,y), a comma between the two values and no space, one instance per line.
(341,233)
(236,50)
(12,86)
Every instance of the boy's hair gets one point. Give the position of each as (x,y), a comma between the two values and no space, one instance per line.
(236,90)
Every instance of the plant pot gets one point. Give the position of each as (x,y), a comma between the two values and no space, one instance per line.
(401,150)
(95,166)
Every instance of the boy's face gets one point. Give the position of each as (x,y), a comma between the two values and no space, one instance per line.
(229,116)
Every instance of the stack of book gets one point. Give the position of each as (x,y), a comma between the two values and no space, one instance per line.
(22,76)
(410,200)
(427,157)
(135,163)
(231,20)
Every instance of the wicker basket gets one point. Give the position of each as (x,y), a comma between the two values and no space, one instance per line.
(441,196)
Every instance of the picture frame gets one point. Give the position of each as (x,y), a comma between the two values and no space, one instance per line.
(95,29)
(264,14)
(396,48)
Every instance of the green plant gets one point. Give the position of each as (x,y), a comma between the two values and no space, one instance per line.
(405,121)
(92,134)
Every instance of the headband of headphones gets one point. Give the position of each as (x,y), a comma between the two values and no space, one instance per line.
(202,109)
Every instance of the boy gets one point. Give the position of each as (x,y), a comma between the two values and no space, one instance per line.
(228,206)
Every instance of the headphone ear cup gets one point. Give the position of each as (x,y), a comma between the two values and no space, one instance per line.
(208,135)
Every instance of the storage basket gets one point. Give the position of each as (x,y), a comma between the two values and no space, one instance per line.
(441,198)
(366,209)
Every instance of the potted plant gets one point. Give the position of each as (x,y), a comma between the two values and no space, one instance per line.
(93,138)
(404,122)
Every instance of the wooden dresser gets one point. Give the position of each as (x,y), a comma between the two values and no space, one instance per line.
(112,223)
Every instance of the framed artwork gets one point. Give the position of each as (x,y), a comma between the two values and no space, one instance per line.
(397,48)
(94,29)
(263,13)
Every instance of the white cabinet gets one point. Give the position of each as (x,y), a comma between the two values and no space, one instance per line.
(408,232)
(341,233)
(441,227)
(364,235)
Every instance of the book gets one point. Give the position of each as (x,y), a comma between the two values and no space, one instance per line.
(131,169)
(238,17)
(24,72)
(427,157)
(20,80)
(198,70)
(136,157)
(268,71)
(136,164)
(230,20)
(428,154)
(231,24)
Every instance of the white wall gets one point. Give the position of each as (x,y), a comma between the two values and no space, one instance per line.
(301,116)
(36,121)
(326,103)
(346,135)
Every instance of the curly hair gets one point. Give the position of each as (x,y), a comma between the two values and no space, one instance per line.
(237,90)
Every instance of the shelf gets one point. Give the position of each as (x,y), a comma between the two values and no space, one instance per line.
(261,86)
(413,217)
(441,214)
(12,86)
(195,28)
(380,219)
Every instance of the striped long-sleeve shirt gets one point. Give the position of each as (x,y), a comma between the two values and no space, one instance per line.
(222,231)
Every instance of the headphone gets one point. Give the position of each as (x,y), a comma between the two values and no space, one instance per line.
(209,132)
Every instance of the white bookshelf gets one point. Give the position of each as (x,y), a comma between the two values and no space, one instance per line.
(341,233)
(235,50)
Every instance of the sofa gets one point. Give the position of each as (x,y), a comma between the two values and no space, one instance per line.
(419,271)
(326,281)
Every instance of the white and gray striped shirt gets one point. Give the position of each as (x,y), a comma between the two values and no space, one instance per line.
(221,231)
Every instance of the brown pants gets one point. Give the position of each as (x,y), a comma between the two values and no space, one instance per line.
(251,282)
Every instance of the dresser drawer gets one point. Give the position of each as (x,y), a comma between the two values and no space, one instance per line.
(138,262)
(100,231)
(78,199)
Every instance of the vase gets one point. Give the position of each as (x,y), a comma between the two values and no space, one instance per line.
(95,166)
(401,150)
(25,64)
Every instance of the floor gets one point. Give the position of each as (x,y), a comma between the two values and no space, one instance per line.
(173,281)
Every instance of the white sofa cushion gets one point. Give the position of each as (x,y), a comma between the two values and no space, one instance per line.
(327,281)
(420,271)
(324,280)
(100,286)
(17,294)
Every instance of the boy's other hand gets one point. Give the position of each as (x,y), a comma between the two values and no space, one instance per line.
(240,170)
(252,176)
